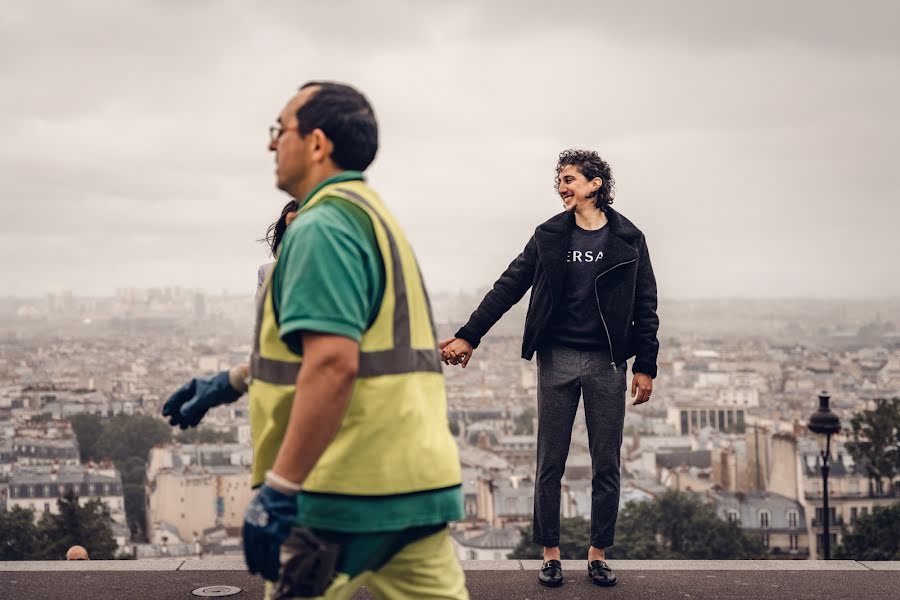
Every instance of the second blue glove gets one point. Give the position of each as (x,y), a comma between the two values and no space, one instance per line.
(267,523)
(187,406)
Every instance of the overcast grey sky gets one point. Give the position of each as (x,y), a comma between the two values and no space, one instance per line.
(756,144)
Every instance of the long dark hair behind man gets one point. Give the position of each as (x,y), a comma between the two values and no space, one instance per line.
(276,230)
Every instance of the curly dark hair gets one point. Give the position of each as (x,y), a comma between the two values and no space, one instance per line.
(590,165)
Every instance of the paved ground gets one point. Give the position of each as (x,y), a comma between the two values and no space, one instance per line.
(748,580)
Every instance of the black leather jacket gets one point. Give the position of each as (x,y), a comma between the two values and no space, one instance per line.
(625,288)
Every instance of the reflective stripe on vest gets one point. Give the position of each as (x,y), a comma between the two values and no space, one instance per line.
(400,359)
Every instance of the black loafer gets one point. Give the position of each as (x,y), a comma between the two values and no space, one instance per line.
(551,574)
(601,574)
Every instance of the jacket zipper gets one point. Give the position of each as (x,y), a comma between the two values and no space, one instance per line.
(602,318)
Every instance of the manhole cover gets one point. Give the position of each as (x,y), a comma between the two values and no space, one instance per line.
(215,591)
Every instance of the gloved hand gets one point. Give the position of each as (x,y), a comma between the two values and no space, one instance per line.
(189,404)
(267,523)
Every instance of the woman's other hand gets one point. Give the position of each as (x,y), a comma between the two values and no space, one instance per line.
(641,388)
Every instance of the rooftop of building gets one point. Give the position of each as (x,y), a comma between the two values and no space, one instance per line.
(25,475)
(748,505)
(498,538)
(692,458)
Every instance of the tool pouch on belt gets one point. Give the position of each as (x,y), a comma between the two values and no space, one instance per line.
(307,565)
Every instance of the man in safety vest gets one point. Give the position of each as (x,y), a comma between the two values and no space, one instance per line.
(358,470)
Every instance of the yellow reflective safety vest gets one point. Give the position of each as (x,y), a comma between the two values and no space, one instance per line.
(394,438)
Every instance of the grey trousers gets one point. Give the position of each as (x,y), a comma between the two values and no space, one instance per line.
(564,374)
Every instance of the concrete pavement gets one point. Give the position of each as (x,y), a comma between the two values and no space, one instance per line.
(647,580)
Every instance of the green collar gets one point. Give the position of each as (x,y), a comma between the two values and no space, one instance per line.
(339,178)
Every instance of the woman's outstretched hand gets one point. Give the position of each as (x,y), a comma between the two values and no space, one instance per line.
(456,351)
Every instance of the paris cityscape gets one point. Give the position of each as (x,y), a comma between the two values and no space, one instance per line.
(738,381)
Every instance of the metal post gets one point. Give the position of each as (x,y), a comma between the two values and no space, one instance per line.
(826,516)
(824,422)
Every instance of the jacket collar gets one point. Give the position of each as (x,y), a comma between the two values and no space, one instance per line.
(564,222)
(553,237)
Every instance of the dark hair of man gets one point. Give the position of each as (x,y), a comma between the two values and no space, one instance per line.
(590,165)
(345,116)
(276,230)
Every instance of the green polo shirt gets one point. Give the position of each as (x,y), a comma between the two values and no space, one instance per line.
(330,278)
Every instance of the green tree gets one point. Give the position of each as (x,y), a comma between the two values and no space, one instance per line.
(524,423)
(674,526)
(135,508)
(132,469)
(87,430)
(125,436)
(875,536)
(89,526)
(202,435)
(127,440)
(679,526)
(876,439)
(20,538)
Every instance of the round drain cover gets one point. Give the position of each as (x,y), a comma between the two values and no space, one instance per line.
(215,591)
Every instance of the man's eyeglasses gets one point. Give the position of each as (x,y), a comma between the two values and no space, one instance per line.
(276,131)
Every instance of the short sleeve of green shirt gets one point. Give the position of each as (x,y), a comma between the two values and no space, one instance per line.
(329,277)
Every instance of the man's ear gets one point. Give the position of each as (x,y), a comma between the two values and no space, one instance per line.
(321,145)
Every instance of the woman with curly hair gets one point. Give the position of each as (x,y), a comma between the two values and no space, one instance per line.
(593,306)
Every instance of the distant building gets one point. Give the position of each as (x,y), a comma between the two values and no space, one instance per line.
(779,521)
(7,456)
(177,456)
(685,471)
(222,540)
(176,550)
(193,487)
(44,451)
(489,544)
(852,494)
(690,418)
(513,504)
(790,465)
(199,306)
(37,488)
(889,375)
(194,499)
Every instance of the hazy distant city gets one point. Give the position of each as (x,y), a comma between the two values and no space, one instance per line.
(737,381)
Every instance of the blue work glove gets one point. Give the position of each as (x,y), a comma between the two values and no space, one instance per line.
(189,404)
(267,523)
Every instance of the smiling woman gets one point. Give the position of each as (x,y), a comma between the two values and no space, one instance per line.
(576,168)
(593,306)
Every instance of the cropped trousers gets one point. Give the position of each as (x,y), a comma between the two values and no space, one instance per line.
(564,376)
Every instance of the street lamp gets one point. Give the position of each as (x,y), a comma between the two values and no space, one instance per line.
(825,423)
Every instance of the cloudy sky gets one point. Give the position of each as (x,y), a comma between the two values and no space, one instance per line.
(756,144)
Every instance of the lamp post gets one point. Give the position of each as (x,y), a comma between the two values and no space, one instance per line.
(825,423)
